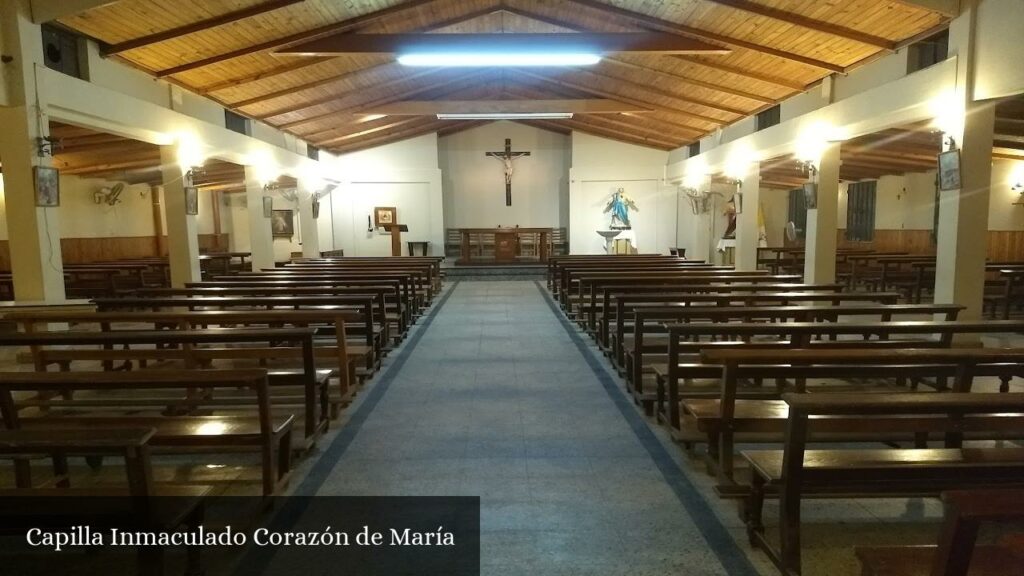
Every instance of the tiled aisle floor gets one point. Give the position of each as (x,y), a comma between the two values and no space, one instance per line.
(497,400)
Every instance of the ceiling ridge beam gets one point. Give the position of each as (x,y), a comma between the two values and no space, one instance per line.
(216,21)
(808,23)
(335,28)
(689,31)
(572,26)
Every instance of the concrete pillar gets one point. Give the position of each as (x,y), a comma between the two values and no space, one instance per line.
(963,214)
(261,240)
(822,225)
(182,229)
(748,233)
(308,227)
(33,232)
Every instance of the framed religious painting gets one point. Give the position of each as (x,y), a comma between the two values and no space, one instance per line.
(47,181)
(949,170)
(282,224)
(384,216)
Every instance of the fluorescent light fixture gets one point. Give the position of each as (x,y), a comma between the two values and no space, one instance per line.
(508,116)
(499,59)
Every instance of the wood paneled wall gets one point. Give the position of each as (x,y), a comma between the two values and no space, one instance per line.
(84,250)
(1003,245)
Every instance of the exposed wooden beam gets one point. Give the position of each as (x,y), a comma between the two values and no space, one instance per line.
(631,129)
(110,49)
(689,31)
(614,96)
(425,127)
(48,10)
(601,42)
(380,101)
(808,23)
(745,72)
(948,8)
(550,128)
(306,62)
(380,128)
(430,107)
(522,92)
(634,66)
(603,133)
(666,93)
(335,28)
(335,97)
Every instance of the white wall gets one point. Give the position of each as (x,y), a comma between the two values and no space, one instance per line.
(474,184)
(601,166)
(404,175)
(998,49)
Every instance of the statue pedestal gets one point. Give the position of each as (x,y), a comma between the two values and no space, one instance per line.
(608,236)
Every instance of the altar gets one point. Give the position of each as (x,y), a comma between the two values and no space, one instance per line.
(484,246)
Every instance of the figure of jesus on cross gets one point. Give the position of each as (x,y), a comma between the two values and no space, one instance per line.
(507,156)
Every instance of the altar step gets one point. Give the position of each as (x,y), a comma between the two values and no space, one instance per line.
(526,272)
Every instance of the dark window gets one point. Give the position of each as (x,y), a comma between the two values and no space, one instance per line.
(860,211)
(60,51)
(798,211)
(312,152)
(693,149)
(769,117)
(237,123)
(931,50)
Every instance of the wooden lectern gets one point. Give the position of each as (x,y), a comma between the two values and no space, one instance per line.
(396,237)
(506,245)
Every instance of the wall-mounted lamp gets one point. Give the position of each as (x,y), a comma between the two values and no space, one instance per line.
(1018,187)
(47,146)
(271,187)
(192,173)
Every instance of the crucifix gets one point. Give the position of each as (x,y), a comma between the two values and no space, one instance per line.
(506,157)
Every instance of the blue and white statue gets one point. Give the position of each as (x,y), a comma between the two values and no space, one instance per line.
(619,206)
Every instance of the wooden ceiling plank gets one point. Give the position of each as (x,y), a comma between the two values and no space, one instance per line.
(642,42)
(808,23)
(646,69)
(387,126)
(221,20)
(425,127)
(430,107)
(354,74)
(602,133)
(380,101)
(667,94)
(746,73)
(334,28)
(682,29)
(948,8)
(628,100)
(48,10)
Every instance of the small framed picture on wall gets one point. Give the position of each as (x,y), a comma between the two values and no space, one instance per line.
(282,225)
(268,207)
(47,181)
(191,200)
(949,170)
(384,216)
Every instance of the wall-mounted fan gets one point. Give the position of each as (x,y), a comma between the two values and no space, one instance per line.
(109,196)
(791,231)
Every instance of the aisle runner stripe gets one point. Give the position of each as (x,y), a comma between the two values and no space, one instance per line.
(732,559)
(257,559)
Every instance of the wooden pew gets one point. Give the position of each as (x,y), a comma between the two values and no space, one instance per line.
(126,506)
(266,432)
(796,472)
(648,320)
(420,295)
(956,554)
(335,353)
(372,329)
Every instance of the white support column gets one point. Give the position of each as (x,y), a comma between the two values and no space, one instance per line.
(963,214)
(261,241)
(308,226)
(822,225)
(747,231)
(182,230)
(33,232)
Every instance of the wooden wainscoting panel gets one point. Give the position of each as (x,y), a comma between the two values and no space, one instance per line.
(84,250)
(1006,245)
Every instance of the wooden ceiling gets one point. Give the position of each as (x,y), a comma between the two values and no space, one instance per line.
(224,49)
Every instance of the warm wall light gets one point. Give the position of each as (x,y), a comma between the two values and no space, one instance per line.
(737,165)
(508,116)
(948,114)
(190,150)
(499,59)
